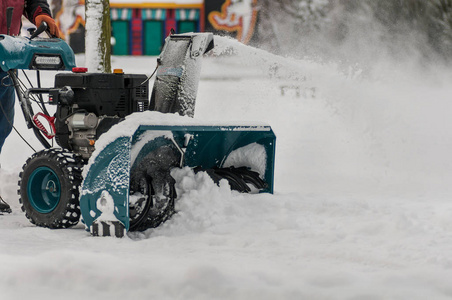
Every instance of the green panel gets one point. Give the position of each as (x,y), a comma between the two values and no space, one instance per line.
(186,26)
(153,37)
(121,34)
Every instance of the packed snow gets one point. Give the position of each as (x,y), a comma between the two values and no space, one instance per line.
(361,209)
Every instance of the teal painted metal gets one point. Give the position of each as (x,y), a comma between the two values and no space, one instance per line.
(207,147)
(44,190)
(110,172)
(19,52)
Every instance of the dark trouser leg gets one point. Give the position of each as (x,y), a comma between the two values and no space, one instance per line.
(6,108)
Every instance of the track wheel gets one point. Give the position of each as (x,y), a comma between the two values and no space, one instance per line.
(152,190)
(48,188)
(239,179)
(140,202)
(154,206)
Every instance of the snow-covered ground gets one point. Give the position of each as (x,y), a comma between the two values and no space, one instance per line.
(362,206)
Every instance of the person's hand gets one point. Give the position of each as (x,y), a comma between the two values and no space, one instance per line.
(52,26)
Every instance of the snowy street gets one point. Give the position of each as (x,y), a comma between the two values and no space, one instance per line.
(362,206)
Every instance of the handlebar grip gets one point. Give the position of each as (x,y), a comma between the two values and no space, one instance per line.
(9,18)
(43,27)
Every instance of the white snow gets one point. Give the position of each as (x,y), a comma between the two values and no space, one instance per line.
(252,156)
(361,208)
(106,206)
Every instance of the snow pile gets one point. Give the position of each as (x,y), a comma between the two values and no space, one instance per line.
(202,205)
(252,156)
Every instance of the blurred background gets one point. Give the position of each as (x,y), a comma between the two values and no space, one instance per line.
(355,31)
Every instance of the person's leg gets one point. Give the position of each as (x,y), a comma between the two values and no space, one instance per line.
(6,120)
(6,108)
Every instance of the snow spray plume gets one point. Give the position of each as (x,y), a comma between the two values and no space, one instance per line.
(365,32)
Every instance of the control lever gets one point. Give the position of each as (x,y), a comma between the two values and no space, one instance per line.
(43,27)
(9,19)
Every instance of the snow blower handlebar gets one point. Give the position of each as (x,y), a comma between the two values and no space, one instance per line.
(27,109)
(33,54)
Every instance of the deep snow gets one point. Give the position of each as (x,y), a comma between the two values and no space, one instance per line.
(361,208)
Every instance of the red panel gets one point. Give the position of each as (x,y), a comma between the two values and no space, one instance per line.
(137,33)
(170,22)
(202,18)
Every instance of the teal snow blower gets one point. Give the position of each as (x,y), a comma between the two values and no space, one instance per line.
(110,149)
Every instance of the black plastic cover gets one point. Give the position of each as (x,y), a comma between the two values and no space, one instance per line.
(107,94)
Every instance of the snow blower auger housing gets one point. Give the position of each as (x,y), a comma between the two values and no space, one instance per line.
(116,149)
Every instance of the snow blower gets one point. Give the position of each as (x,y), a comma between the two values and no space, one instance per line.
(110,148)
